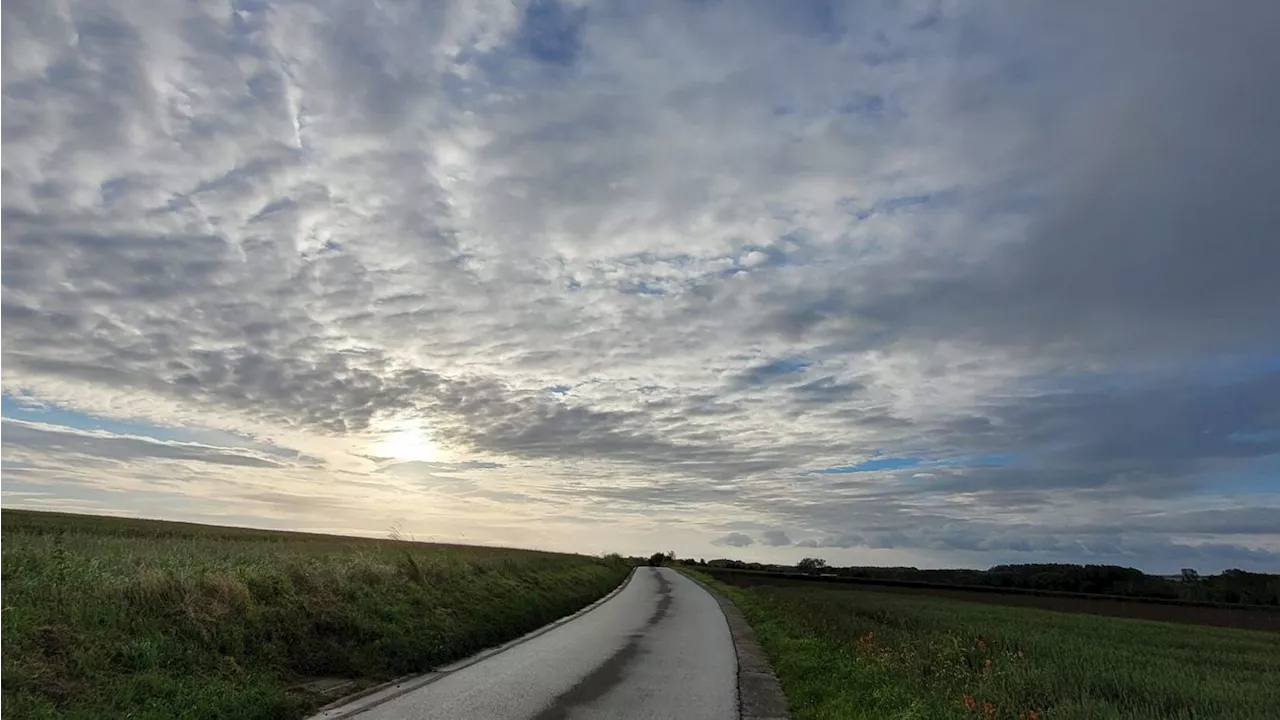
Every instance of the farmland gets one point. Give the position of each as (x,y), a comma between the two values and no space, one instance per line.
(1247,617)
(843,652)
(107,617)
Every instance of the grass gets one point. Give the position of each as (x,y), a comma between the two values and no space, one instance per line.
(144,619)
(851,653)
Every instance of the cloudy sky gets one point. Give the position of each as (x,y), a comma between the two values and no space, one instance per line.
(930,283)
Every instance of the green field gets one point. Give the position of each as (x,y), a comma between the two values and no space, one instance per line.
(131,618)
(852,653)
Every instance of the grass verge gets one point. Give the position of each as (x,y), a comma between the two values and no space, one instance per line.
(144,619)
(851,653)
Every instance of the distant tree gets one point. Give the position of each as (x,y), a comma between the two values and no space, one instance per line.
(656,559)
(1189,575)
(811,564)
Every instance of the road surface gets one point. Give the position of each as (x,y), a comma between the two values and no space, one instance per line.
(660,648)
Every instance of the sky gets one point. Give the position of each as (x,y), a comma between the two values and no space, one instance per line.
(887,283)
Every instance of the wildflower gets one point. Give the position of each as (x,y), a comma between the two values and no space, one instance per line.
(988,710)
(1020,655)
(980,642)
(986,667)
(970,703)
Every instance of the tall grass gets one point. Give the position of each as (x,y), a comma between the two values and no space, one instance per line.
(106,618)
(851,653)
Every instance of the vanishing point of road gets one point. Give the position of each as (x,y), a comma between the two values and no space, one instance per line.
(659,648)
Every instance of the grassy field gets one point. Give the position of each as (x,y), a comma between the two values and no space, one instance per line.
(853,653)
(129,618)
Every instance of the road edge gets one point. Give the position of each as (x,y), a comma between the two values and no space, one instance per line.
(356,703)
(759,692)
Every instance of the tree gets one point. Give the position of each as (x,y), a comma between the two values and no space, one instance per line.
(811,564)
(1189,575)
(656,559)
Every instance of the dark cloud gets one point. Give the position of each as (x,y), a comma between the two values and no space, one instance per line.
(1145,437)
(775,538)
(826,390)
(1156,239)
(1143,543)
(1232,521)
(853,540)
(738,540)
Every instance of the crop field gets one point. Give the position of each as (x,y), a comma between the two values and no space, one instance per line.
(107,617)
(1239,616)
(844,652)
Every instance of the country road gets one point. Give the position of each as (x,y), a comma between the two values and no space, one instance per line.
(659,648)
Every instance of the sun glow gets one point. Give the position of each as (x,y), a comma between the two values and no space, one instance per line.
(406,442)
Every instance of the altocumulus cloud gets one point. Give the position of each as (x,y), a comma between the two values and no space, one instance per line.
(968,283)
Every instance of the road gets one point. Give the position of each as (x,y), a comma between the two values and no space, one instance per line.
(660,648)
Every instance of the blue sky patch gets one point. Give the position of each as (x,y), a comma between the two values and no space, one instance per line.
(552,33)
(874,464)
(879,462)
(30,409)
(770,371)
(988,460)
(17,409)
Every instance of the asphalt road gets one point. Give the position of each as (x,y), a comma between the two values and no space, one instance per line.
(660,648)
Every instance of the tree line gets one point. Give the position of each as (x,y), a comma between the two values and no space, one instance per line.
(1230,586)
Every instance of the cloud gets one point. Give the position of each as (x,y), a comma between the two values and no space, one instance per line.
(852,540)
(737,540)
(1114,265)
(1021,255)
(39,436)
(775,538)
(421,466)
